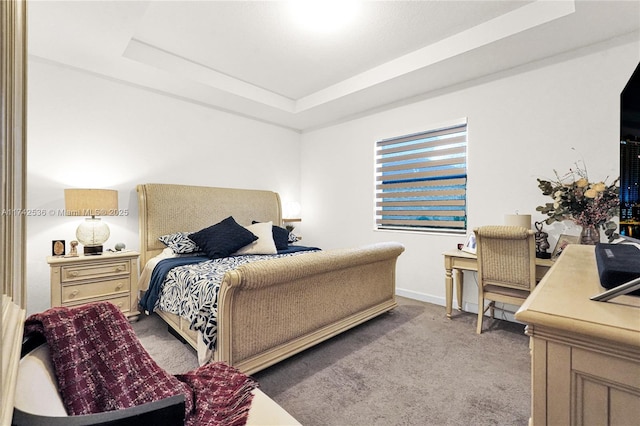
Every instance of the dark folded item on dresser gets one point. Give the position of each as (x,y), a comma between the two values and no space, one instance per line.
(617,264)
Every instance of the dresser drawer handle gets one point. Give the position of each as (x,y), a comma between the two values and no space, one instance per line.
(120,305)
(119,286)
(73,294)
(74,273)
(120,268)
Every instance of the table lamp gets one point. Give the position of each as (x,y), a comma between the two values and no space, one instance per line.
(93,232)
(291,213)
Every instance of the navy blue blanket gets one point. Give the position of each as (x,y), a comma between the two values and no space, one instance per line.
(295,249)
(150,297)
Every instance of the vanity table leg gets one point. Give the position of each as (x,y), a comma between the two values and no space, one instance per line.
(459,282)
(448,285)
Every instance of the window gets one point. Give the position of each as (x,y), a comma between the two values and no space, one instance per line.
(421,181)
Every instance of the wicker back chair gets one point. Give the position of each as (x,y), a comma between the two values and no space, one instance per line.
(506,266)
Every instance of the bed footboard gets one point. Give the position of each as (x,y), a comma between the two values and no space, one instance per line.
(271,310)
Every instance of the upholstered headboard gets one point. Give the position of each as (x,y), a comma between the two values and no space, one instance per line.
(167,208)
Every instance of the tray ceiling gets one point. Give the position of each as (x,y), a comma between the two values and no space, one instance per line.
(252,58)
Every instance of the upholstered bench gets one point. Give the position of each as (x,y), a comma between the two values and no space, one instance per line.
(37,401)
(87,361)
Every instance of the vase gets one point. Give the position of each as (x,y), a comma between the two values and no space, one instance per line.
(590,235)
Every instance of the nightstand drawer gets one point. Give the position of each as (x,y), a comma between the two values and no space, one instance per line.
(78,272)
(79,292)
(123,302)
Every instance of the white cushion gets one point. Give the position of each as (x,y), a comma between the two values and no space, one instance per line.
(264,244)
(37,387)
(265,411)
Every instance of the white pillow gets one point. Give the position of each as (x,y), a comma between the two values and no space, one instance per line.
(264,244)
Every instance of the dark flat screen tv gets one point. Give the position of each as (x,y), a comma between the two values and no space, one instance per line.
(630,157)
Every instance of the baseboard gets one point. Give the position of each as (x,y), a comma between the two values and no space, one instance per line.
(423,297)
(500,313)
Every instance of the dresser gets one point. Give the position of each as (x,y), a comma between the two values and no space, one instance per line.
(84,279)
(585,355)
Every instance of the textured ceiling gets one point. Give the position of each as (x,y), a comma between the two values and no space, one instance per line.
(251,58)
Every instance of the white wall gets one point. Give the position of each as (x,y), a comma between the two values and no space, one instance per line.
(89,132)
(85,131)
(521,125)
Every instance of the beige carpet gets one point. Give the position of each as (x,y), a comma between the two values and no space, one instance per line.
(411,366)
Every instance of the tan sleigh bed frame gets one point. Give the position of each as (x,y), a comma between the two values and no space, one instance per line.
(270,310)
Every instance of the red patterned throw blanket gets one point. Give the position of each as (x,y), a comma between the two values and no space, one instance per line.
(101,366)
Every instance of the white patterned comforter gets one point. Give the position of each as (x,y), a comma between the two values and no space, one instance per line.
(191,291)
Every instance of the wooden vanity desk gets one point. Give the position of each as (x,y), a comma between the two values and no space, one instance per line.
(456,261)
(585,365)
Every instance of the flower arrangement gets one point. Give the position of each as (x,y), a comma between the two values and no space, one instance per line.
(586,203)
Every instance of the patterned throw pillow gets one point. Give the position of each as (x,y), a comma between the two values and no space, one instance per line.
(223,238)
(180,243)
(292,238)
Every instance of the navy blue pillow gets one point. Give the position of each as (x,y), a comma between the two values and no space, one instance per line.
(223,238)
(280,237)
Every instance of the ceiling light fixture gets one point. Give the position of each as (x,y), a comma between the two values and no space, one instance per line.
(323,15)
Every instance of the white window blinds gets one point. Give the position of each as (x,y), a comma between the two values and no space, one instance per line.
(421,181)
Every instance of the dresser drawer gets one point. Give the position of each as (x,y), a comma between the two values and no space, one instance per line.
(84,291)
(122,302)
(98,270)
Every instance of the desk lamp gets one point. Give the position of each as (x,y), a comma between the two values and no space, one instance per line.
(93,232)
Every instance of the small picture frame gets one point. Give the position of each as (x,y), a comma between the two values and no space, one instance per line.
(58,248)
(563,241)
(470,245)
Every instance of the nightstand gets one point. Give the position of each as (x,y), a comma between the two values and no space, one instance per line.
(84,279)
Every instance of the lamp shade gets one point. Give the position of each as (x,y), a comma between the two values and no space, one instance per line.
(90,202)
(291,211)
(523,220)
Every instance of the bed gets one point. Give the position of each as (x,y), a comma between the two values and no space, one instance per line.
(267,310)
